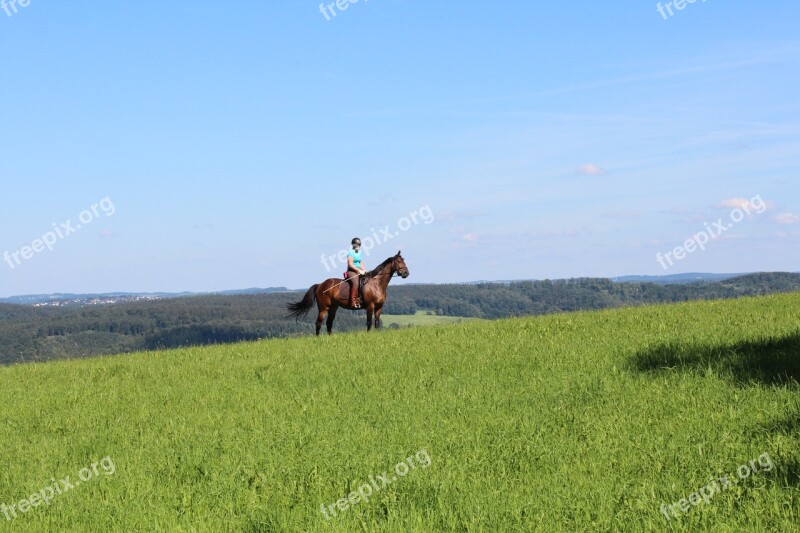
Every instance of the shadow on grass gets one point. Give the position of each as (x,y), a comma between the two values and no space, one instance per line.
(787,472)
(773,361)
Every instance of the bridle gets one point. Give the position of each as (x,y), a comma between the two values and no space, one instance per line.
(394,273)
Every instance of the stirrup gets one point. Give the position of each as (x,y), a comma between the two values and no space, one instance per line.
(357,304)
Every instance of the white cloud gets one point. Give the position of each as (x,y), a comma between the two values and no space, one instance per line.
(741,203)
(744,203)
(788,218)
(590,169)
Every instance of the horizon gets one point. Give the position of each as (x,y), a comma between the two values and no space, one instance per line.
(189,148)
(727,275)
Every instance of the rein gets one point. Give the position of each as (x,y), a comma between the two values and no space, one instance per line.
(394,274)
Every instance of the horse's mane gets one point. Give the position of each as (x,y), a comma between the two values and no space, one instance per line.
(378,268)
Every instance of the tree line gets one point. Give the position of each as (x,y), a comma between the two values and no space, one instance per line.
(43,333)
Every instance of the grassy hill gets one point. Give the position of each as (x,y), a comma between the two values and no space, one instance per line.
(576,421)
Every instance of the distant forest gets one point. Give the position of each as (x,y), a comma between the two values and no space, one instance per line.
(43,333)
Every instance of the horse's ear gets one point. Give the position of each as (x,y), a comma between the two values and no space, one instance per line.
(398,253)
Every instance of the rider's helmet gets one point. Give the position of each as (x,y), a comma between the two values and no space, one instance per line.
(356,240)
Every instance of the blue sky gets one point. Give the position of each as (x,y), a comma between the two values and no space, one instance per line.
(239,142)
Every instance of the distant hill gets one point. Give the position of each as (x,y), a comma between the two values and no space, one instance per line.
(688,277)
(62,299)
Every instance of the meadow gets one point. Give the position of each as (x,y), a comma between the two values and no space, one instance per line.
(576,421)
(422,318)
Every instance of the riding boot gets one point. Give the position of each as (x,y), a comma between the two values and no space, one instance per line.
(354,303)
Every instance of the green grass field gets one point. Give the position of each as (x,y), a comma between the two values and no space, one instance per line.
(422,318)
(582,421)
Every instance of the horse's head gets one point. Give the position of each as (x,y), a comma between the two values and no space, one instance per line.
(399,266)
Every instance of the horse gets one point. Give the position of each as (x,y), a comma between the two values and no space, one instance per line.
(326,295)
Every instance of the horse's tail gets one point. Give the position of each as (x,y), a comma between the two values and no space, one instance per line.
(301,308)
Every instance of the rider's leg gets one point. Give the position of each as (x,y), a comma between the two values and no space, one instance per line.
(353,280)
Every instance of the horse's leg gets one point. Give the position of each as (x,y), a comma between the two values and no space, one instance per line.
(331,317)
(370,310)
(323,310)
(378,311)
(320,318)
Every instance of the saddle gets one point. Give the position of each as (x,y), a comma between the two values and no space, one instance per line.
(344,288)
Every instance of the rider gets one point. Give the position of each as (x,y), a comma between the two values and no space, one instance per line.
(354,268)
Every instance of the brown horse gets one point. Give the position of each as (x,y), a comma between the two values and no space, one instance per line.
(326,294)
